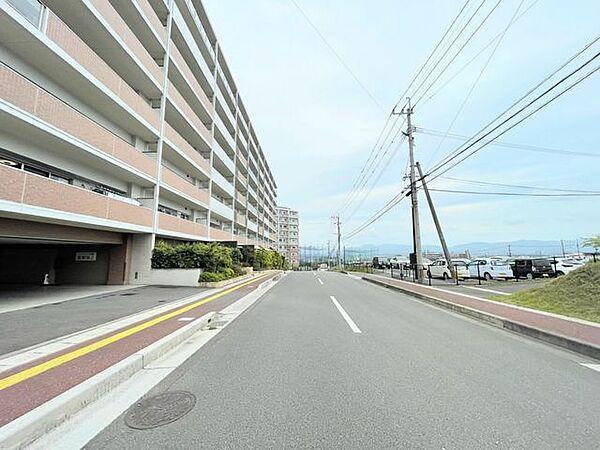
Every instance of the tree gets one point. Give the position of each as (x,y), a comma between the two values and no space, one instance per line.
(593,241)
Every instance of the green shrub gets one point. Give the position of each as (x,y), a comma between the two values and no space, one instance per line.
(210,257)
(210,277)
(268,259)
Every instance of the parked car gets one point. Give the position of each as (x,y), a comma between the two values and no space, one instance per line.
(531,268)
(398,262)
(563,266)
(490,268)
(439,269)
(380,263)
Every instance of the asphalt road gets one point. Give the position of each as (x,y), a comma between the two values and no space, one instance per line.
(293,372)
(26,327)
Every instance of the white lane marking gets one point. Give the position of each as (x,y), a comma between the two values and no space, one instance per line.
(486,290)
(354,276)
(595,367)
(186,319)
(320,281)
(345,315)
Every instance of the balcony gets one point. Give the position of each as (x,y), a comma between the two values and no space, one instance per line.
(240,198)
(222,131)
(253,177)
(144,22)
(170,225)
(220,208)
(103,29)
(242,179)
(25,190)
(223,157)
(222,182)
(252,192)
(43,118)
(252,209)
(177,149)
(221,235)
(240,218)
(188,85)
(227,115)
(184,188)
(196,25)
(186,43)
(181,115)
(242,161)
(252,226)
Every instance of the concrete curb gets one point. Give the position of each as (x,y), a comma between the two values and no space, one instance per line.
(24,430)
(568,343)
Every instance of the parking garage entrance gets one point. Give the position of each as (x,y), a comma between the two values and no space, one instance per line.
(34,253)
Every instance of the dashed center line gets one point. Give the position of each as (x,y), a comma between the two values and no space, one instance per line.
(320,281)
(345,315)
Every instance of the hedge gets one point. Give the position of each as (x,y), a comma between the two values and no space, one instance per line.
(268,259)
(217,261)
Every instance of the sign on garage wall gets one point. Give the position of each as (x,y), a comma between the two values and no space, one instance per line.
(85,256)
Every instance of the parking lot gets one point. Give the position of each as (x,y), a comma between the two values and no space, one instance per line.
(471,286)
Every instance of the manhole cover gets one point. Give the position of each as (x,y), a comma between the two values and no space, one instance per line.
(160,410)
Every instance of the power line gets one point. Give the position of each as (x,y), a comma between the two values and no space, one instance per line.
(458,52)
(515,194)
(337,55)
(362,179)
(475,83)
(568,88)
(484,48)
(441,58)
(528,147)
(516,102)
(432,53)
(520,186)
(458,151)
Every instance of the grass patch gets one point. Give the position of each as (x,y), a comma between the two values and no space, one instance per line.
(575,295)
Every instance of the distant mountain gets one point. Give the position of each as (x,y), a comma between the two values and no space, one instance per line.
(519,247)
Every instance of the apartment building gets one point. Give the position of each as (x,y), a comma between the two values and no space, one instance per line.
(288,235)
(120,123)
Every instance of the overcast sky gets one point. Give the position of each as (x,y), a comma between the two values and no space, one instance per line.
(317,125)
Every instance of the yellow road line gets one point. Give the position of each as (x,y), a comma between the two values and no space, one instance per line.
(60,360)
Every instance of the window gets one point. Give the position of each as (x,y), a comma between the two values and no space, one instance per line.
(30,9)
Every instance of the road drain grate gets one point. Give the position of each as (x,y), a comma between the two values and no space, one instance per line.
(160,410)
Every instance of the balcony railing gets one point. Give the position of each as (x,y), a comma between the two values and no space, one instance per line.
(182,185)
(58,32)
(153,19)
(188,113)
(224,157)
(225,132)
(191,79)
(222,182)
(126,34)
(221,235)
(173,224)
(185,147)
(35,190)
(221,208)
(24,94)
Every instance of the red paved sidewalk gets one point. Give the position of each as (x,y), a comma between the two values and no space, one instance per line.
(21,398)
(553,324)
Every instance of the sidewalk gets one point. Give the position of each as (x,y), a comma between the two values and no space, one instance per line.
(575,334)
(25,387)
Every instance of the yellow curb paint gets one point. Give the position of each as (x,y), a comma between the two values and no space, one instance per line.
(60,360)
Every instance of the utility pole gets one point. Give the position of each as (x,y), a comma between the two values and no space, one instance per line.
(562,246)
(339,239)
(509,253)
(328,253)
(436,222)
(577,242)
(413,193)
